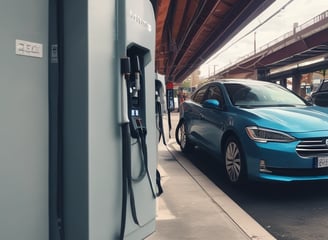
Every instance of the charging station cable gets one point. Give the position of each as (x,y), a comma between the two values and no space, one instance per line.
(126,141)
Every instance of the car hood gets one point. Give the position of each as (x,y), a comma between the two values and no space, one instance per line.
(291,119)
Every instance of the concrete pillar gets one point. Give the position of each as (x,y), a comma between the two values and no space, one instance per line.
(262,73)
(296,83)
(283,82)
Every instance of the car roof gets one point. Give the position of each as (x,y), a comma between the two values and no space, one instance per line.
(238,80)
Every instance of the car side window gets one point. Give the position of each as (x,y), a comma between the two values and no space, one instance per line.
(214,92)
(198,97)
(324,87)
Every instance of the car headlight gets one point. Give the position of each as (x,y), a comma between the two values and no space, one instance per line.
(267,135)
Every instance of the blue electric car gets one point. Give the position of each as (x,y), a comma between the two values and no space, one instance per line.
(259,130)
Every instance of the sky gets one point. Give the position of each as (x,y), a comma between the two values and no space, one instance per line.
(295,11)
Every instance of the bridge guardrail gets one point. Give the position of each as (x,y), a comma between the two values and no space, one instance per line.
(319,18)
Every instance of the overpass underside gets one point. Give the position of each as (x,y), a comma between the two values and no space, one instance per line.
(303,50)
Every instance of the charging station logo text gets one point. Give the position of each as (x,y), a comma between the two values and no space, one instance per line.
(140,21)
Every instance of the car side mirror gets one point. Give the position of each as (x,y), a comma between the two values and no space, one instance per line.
(211,103)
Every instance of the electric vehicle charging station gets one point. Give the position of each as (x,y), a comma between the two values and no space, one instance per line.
(138,113)
(63,149)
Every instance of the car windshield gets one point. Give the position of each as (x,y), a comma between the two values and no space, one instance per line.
(261,95)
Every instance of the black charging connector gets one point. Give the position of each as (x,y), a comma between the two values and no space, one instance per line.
(138,127)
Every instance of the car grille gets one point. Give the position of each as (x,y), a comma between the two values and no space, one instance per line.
(312,147)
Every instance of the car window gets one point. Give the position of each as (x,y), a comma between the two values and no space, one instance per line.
(257,95)
(244,94)
(324,87)
(214,92)
(198,97)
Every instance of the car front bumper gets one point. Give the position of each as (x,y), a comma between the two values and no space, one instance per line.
(280,162)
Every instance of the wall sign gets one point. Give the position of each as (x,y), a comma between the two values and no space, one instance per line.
(30,49)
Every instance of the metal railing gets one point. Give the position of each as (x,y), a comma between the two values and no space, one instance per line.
(319,18)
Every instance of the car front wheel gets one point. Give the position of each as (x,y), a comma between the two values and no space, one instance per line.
(234,161)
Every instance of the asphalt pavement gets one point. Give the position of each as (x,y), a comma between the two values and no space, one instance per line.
(192,207)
